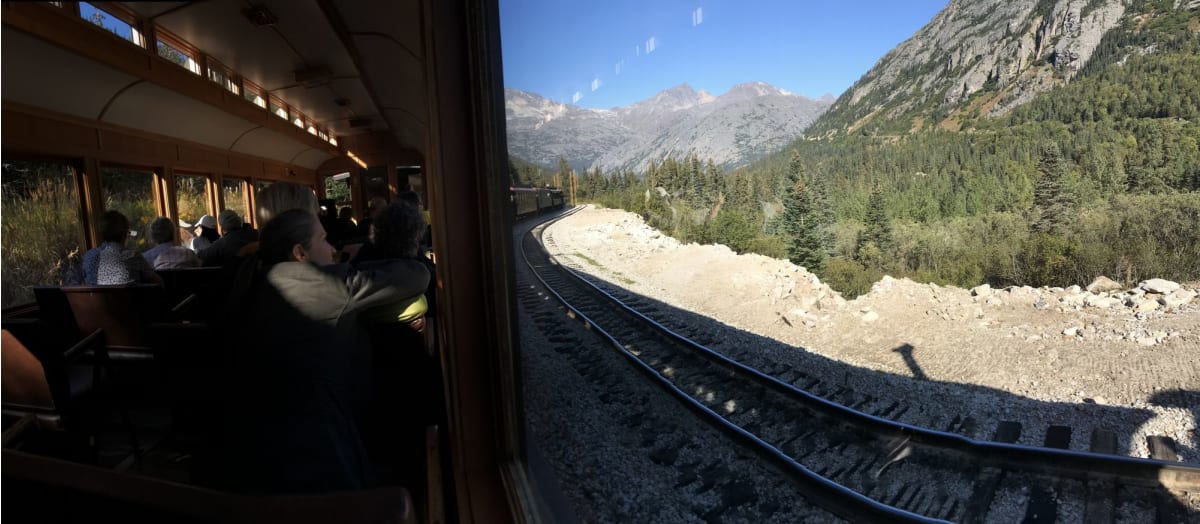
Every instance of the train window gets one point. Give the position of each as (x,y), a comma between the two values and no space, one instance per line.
(223,76)
(298,118)
(174,50)
(253,93)
(337,188)
(41,230)
(191,197)
(333,140)
(263,184)
(278,108)
(234,192)
(323,135)
(112,23)
(131,192)
(312,130)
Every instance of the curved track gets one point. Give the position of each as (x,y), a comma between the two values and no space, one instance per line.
(857,465)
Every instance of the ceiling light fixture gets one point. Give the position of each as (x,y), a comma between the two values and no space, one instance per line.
(259,16)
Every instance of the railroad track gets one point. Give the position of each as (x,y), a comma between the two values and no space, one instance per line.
(866,467)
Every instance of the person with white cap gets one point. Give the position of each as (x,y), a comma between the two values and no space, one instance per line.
(206,233)
(234,236)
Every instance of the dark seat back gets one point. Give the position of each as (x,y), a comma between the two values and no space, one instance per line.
(54,310)
(208,284)
(121,311)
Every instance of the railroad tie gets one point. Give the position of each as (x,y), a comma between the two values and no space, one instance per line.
(1167,507)
(1101,493)
(988,479)
(1043,506)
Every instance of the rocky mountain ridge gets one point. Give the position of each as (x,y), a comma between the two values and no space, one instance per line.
(980,58)
(739,126)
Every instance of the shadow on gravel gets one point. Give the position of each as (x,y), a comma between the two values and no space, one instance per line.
(931,403)
(1184,399)
(906,352)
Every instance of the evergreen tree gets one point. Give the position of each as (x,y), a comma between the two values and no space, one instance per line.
(808,240)
(1053,202)
(875,242)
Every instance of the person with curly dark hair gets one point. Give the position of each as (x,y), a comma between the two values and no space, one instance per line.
(111,263)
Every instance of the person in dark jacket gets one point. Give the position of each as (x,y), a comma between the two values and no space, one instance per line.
(302,361)
(234,236)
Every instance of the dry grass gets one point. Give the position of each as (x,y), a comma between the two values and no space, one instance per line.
(41,238)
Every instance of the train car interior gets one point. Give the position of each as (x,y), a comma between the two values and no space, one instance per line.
(181,110)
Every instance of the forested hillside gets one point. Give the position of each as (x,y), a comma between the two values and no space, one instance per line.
(1099,175)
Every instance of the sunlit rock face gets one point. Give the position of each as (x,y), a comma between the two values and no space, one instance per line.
(749,121)
(1008,50)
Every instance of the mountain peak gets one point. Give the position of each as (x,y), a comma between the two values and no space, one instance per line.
(749,121)
(753,90)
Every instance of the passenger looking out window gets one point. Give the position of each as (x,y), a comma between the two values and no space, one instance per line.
(205,233)
(111,263)
(234,236)
(167,253)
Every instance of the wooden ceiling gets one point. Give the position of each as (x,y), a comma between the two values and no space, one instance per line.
(374,53)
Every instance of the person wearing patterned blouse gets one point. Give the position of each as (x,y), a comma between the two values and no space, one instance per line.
(113,264)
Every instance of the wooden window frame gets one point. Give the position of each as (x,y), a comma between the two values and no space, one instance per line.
(230,75)
(274,100)
(247,211)
(120,12)
(251,87)
(192,52)
(211,204)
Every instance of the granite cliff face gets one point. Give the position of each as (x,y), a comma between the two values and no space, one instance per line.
(977,57)
(749,121)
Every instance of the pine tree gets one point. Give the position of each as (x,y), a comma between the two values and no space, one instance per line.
(875,242)
(1053,202)
(807,242)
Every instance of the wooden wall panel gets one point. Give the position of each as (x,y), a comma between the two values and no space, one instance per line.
(38,136)
(203,159)
(129,149)
(245,166)
(35,131)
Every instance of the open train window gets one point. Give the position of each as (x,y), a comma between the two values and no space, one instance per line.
(131,191)
(233,191)
(191,197)
(42,234)
(121,25)
(337,188)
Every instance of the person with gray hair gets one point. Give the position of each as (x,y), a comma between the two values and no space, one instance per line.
(167,253)
(234,236)
(282,196)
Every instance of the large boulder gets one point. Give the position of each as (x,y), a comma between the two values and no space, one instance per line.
(1177,298)
(1158,285)
(1103,284)
(981,291)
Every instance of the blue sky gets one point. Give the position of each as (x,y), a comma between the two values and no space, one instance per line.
(612,53)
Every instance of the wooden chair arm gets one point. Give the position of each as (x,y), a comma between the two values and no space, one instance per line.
(93,342)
